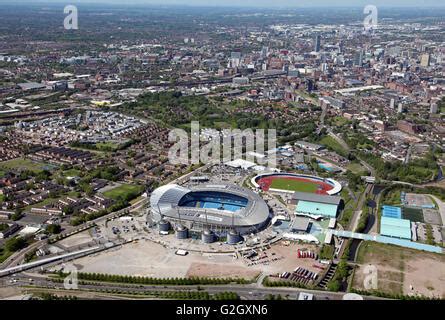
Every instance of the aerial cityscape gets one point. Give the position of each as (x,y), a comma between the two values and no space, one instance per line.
(184,151)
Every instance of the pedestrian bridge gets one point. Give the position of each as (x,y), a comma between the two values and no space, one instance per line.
(387,240)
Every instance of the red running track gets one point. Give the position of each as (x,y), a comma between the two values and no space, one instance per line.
(266,182)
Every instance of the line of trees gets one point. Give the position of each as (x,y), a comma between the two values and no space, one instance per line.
(103,277)
(280,283)
(397,296)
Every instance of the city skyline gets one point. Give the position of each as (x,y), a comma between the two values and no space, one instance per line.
(222,150)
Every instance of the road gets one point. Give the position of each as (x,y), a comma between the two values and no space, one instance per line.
(249,292)
(441,206)
(18,257)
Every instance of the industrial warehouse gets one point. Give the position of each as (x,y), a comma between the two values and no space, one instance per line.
(213,210)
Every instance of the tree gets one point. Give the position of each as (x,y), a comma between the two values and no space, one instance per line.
(15,244)
(54,228)
(334,285)
(17,215)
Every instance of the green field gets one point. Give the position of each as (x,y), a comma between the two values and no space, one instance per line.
(356,168)
(125,191)
(415,215)
(23,164)
(293,185)
(332,144)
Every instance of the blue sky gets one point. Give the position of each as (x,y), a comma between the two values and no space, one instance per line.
(262,3)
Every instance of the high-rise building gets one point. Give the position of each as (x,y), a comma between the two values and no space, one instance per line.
(340,46)
(317,43)
(434,108)
(309,85)
(264,52)
(358,58)
(425,60)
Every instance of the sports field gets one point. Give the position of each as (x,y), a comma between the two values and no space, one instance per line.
(23,164)
(294,185)
(125,191)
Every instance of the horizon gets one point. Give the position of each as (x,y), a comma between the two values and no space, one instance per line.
(245,4)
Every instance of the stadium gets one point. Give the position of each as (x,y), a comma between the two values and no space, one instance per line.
(217,209)
(291,182)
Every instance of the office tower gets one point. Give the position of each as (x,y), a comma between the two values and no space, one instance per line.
(309,85)
(264,52)
(340,46)
(317,43)
(434,108)
(392,104)
(425,60)
(358,59)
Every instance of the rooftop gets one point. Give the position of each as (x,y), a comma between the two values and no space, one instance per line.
(312,197)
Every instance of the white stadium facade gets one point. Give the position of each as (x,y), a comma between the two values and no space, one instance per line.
(218,209)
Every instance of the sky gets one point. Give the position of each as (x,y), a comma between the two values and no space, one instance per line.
(258,3)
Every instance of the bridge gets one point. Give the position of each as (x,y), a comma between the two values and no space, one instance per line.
(387,240)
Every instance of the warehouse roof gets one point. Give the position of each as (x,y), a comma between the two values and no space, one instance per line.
(396,228)
(315,208)
(320,198)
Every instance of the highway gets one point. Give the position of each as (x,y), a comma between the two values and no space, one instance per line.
(247,292)
(17,258)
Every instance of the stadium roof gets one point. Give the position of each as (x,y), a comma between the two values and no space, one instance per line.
(396,228)
(392,212)
(320,198)
(314,208)
(165,200)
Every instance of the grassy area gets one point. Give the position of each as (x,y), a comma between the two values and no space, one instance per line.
(107,146)
(23,164)
(379,253)
(332,144)
(348,211)
(340,121)
(397,267)
(293,185)
(125,191)
(415,215)
(356,168)
(327,252)
(4,254)
(392,198)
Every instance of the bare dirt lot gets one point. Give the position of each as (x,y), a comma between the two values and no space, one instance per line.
(402,271)
(146,258)
(77,239)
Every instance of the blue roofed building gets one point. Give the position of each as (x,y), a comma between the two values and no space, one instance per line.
(310,204)
(395,228)
(392,212)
